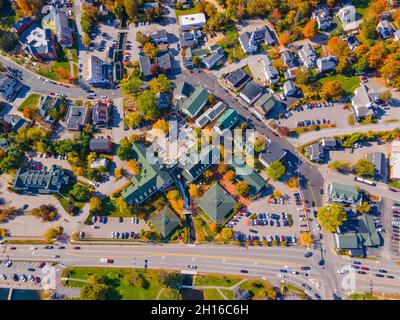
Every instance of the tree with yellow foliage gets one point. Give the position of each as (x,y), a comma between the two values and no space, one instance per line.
(118,173)
(133,167)
(305,239)
(229,175)
(193,190)
(162,125)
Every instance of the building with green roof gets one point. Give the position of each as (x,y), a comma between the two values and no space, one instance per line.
(152,177)
(190,53)
(195,164)
(165,221)
(338,192)
(39,180)
(265,104)
(245,173)
(216,203)
(196,102)
(228,119)
(356,235)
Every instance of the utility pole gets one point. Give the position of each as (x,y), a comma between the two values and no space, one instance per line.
(371,284)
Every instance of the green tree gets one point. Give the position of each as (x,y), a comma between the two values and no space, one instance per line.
(95,205)
(94,291)
(242,188)
(133,119)
(130,86)
(122,207)
(364,207)
(331,216)
(364,168)
(124,151)
(80,193)
(146,104)
(150,50)
(276,170)
(160,84)
(341,166)
(8,40)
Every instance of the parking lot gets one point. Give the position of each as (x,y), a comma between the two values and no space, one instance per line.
(273,220)
(102,230)
(388,222)
(334,114)
(22,273)
(169,25)
(358,153)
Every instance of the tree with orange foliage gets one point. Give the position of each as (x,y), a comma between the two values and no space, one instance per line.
(284,38)
(360,50)
(29,7)
(230,175)
(375,57)
(340,49)
(27,113)
(396,18)
(378,6)
(62,73)
(276,14)
(310,30)
(332,90)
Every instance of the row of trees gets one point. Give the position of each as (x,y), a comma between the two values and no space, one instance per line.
(363,167)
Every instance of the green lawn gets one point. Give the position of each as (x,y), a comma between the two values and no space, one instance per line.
(212,294)
(58,71)
(362,6)
(257,287)
(349,84)
(184,12)
(115,279)
(31,102)
(228,293)
(217,280)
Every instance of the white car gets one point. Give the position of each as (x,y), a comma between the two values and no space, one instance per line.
(280,276)
(287,267)
(341,271)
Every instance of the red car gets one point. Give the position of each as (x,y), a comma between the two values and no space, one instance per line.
(345,107)
(365,268)
(110,261)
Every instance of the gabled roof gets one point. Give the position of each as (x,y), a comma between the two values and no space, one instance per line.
(165,221)
(145,65)
(251,90)
(237,78)
(41,181)
(245,173)
(150,179)
(315,152)
(196,102)
(183,89)
(341,192)
(227,120)
(216,203)
(266,103)
(272,153)
(164,62)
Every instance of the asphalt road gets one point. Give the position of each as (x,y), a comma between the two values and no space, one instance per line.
(260,262)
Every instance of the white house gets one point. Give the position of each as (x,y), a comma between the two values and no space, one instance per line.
(347,14)
(192,21)
(361,102)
